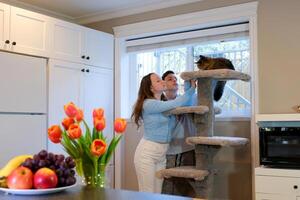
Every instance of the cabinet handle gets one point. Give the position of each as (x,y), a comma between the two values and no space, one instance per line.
(88,58)
(83,57)
(13,43)
(295,186)
(87,70)
(6,41)
(83,70)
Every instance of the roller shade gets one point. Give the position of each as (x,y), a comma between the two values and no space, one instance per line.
(224,33)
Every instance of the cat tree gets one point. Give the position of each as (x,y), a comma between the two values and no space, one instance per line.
(201,176)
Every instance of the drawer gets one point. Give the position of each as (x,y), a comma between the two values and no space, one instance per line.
(277,185)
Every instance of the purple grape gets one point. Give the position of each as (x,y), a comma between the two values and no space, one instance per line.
(72,164)
(60,157)
(68,159)
(70,180)
(72,172)
(42,163)
(43,154)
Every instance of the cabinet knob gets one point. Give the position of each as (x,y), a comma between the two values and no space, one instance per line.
(295,186)
(13,43)
(83,70)
(83,57)
(88,58)
(87,70)
(6,41)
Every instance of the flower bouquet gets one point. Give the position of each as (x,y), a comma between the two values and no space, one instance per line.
(90,151)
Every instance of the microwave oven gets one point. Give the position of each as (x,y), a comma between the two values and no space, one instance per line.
(280,147)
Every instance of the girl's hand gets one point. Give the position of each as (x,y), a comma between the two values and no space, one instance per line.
(193,83)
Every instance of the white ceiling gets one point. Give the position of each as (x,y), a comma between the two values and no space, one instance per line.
(86,11)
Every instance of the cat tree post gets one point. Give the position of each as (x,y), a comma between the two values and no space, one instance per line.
(205,127)
(201,176)
(205,123)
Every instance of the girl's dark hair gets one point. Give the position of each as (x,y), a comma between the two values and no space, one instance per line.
(144,93)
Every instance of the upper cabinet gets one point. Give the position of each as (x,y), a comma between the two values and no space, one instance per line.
(67,41)
(4,24)
(80,44)
(98,48)
(27,32)
(24,31)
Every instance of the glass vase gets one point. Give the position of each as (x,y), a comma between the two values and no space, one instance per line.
(92,174)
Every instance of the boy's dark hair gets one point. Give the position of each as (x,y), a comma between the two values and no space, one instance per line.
(166,74)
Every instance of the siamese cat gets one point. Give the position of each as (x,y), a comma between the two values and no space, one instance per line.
(207,63)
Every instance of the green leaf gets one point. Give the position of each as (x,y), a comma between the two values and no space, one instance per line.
(68,145)
(95,134)
(88,137)
(111,148)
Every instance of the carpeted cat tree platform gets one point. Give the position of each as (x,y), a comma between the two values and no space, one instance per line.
(199,178)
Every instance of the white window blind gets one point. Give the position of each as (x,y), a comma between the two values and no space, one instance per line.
(209,35)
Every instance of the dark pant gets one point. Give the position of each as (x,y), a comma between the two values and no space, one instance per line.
(178,186)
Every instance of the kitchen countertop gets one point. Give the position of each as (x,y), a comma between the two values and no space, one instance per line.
(82,193)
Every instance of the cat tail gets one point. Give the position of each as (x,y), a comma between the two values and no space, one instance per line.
(219,89)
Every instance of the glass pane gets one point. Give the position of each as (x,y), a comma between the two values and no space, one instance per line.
(162,60)
(237,94)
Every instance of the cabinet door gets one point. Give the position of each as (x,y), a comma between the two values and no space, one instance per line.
(4,25)
(64,87)
(261,196)
(23,84)
(98,93)
(29,32)
(99,48)
(67,41)
(21,134)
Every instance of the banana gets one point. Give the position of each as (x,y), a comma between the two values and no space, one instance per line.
(13,164)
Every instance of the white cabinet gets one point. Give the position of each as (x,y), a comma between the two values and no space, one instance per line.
(4,24)
(79,44)
(277,184)
(23,84)
(88,87)
(24,31)
(98,48)
(32,33)
(97,92)
(21,134)
(67,40)
(260,196)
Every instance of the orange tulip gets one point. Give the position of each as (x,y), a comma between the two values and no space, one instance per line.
(98,113)
(98,147)
(74,131)
(79,115)
(67,122)
(71,110)
(99,123)
(120,125)
(55,134)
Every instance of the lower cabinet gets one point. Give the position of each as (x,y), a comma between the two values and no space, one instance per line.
(261,196)
(277,184)
(86,86)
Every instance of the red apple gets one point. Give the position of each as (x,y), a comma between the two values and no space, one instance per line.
(44,178)
(20,178)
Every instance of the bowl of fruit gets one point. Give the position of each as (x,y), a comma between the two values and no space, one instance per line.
(41,173)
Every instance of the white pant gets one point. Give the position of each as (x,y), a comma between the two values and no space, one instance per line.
(149,157)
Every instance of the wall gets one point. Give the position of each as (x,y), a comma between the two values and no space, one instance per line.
(233,164)
(278,47)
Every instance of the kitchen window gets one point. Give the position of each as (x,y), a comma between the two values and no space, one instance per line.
(161,53)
